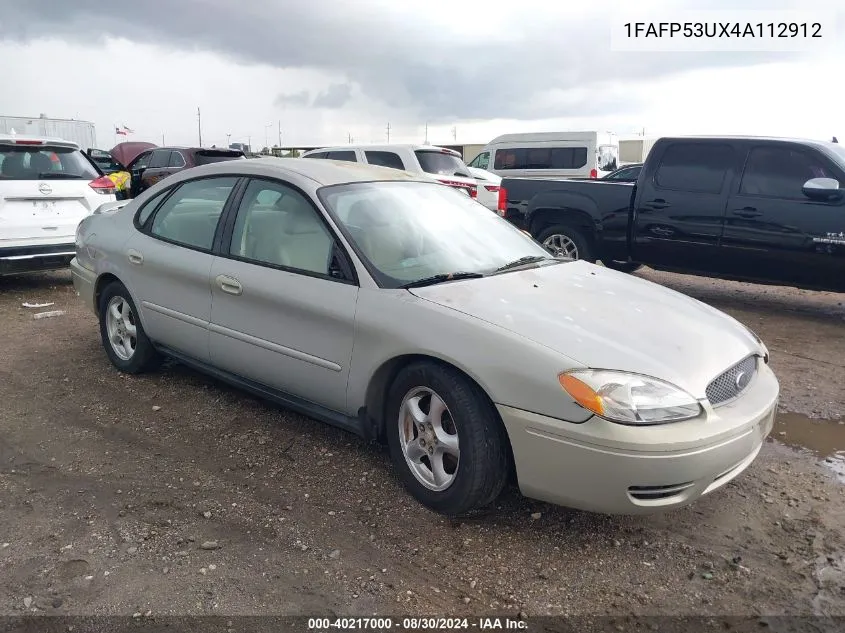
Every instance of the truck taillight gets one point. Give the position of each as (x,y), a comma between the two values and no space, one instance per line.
(594,173)
(103,185)
(502,205)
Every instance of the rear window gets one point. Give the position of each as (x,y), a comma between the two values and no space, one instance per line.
(207,157)
(44,163)
(441,163)
(541,158)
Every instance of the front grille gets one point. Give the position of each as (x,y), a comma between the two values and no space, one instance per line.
(733,382)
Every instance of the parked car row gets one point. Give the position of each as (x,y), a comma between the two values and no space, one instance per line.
(381,301)
(760,209)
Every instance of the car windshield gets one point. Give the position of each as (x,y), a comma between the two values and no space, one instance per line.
(44,163)
(411,231)
(441,163)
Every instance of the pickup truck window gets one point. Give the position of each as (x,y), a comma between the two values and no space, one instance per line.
(780,172)
(541,158)
(694,167)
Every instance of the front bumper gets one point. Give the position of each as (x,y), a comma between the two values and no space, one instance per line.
(640,470)
(27,259)
(84,282)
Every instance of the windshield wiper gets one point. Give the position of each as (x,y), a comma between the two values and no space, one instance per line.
(437,279)
(49,175)
(529,259)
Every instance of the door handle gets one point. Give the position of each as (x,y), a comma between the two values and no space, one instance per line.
(134,257)
(747,212)
(660,203)
(229,284)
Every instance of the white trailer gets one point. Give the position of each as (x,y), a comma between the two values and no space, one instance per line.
(635,150)
(80,132)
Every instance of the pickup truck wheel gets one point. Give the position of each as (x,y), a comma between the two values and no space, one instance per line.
(623,267)
(445,439)
(567,241)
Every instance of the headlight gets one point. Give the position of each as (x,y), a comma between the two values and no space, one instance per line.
(628,398)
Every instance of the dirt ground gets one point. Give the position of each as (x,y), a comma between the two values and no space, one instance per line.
(170,494)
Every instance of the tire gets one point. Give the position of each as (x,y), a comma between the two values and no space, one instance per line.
(480,472)
(570,235)
(623,267)
(131,360)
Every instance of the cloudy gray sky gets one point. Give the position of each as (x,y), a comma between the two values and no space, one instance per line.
(325,69)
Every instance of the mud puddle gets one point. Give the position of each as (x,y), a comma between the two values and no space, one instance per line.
(824,438)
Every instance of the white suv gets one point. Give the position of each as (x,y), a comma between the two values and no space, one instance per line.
(46,187)
(444,165)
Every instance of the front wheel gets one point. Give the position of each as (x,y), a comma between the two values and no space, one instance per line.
(623,267)
(124,340)
(445,439)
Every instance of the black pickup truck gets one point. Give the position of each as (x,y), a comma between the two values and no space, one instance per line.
(756,209)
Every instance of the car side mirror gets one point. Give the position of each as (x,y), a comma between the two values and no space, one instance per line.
(822,189)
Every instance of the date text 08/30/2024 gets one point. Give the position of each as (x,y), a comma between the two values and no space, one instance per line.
(318,625)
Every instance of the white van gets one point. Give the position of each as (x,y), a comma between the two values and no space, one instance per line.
(550,155)
(440,163)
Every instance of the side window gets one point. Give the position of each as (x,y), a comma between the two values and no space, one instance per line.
(780,172)
(191,214)
(510,158)
(148,208)
(142,161)
(344,155)
(385,159)
(317,155)
(287,232)
(160,158)
(482,161)
(694,167)
(176,160)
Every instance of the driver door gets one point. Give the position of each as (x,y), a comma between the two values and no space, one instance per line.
(774,232)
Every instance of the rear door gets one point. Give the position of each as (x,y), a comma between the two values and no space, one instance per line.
(157,169)
(773,231)
(170,259)
(681,201)
(44,193)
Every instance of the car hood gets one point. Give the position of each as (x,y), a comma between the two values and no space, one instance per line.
(605,319)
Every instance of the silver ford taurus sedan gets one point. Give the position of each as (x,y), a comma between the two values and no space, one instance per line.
(403,311)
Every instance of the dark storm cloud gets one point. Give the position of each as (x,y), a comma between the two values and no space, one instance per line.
(334,97)
(390,57)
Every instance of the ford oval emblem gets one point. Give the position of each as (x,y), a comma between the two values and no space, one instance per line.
(45,189)
(741,381)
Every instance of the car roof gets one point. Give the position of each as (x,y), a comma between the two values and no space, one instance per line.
(739,137)
(323,172)
(390,147)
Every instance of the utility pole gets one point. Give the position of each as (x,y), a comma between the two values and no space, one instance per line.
(228,136)
(280,133)
(426,134)
(349,137)
(455,133)
(388,131)
(162,139)
(199,125)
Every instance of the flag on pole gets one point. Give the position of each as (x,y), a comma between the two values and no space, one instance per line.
(127,130)
(117,130)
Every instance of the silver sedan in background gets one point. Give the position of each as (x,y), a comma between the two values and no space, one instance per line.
(403,311)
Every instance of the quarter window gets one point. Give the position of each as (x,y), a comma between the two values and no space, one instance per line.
(286,232)
(780,172)
(191,214)
(694,167)
(346,155)
(385,159)
(150,206)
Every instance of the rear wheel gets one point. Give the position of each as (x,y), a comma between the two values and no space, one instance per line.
(446,441)
(124,340)
(567,241)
